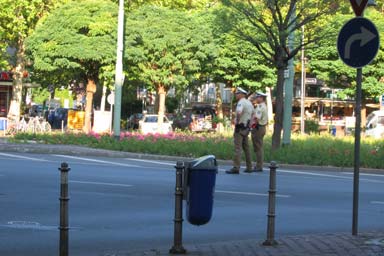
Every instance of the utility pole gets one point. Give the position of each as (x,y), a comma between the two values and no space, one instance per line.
(303,79)
(288,88)
(119,76)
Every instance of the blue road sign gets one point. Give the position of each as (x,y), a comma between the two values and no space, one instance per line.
(358,42)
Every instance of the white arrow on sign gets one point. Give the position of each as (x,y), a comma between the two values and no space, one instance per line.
(364,37)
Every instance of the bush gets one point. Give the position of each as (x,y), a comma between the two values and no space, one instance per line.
(311,126)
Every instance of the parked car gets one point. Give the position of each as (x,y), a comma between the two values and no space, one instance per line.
(58,118)
(35,110)
(197,119)
(133,121)
(375,124)
(149,125)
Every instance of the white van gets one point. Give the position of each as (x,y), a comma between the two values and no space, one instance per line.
(375,124)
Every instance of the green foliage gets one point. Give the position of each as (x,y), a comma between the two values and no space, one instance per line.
(19,18)
(311,126)
(175,4)
(166,47)
(40,94)
(238,63)
(64,94)
(171,104)
(79,36)
(326,65)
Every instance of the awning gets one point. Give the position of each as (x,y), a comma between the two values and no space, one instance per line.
(25,85)
(6,83)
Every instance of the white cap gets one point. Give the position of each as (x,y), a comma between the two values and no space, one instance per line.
(241,90)
(261,94)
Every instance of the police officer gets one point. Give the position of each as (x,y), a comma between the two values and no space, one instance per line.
(244,111)
(259,123)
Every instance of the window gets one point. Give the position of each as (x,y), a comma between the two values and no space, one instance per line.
(381,121)
(151,119)
(3,104)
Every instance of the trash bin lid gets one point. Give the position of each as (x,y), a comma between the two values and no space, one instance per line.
(204,162)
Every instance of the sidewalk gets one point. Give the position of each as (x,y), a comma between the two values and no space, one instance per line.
(342,244)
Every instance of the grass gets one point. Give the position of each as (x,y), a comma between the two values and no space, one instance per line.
(319,150)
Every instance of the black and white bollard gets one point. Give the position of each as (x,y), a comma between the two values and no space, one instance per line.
(177,247)
(271,206)
(64,227)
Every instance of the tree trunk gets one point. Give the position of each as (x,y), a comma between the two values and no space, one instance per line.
(157,102)
(91,89)
(161,92)
(279,109)
(17,89)
(270,108)
(219,109)
(103,96)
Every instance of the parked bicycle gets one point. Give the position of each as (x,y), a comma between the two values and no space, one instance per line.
(38,125)
(14,127)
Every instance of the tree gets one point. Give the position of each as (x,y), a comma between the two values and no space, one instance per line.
(237,63)
(17,21)
(327,66)
(267,26)
(79,38)
(175,4)
(167,48)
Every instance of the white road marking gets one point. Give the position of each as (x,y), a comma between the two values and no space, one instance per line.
(150,161)
(248,193)
(330,176)
(314,174)
(101,183)
(97,161)
(377,202)
(24,157)
(366,174)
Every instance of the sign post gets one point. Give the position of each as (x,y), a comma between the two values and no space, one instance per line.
(111,101)
(357,45)
(382,102)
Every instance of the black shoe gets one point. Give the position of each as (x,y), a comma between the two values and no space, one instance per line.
(232,171)
(248,170)
(257,170)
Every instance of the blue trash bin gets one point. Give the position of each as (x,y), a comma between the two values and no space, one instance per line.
(200,179)
(333,130)
(3,124)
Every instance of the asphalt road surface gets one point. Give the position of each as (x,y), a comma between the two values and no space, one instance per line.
(121,204)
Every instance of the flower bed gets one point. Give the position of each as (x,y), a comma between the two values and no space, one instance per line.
(321,150)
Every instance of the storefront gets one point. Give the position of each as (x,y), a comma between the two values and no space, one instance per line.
(326,112)
(5,92)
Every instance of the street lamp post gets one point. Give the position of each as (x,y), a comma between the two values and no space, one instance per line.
(288,86)
(303,79)
(119,76)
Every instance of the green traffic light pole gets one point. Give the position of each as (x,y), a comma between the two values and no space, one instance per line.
(119,76)
(288,90)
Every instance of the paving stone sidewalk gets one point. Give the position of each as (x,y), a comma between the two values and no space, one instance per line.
(342,244)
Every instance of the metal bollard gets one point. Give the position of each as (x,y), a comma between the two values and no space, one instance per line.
(64,169)
(177,247)
(271,206)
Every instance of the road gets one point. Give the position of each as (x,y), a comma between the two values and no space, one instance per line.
(120,204)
